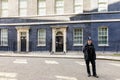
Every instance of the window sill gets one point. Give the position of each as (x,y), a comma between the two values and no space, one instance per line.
(102,45)
(78,45)
(3,45)
(41,45)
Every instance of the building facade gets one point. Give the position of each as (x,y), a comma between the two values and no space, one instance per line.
(59,25)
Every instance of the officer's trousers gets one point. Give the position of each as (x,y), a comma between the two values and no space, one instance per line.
(93,66)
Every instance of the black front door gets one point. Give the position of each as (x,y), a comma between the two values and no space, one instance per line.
(23,43)
(59,43)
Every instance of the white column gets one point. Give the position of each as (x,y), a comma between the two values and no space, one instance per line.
(53,40)
(27,36)
(64,40)
(18,41)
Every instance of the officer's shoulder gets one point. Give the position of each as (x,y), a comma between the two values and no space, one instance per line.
(85,45)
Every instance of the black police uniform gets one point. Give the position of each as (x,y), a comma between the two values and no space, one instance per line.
(90,56)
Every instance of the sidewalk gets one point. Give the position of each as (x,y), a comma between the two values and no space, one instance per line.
(68,55)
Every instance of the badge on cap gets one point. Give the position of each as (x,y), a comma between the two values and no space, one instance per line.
(89,38)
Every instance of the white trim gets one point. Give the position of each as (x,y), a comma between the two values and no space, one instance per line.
(64,38)
(53,40)
(38,23)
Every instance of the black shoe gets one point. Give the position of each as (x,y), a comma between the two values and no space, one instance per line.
(89,75)
(96,76)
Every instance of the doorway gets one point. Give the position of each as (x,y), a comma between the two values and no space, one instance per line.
(23,41)
(23,38)
(23,44)
(59,42)
(59,38)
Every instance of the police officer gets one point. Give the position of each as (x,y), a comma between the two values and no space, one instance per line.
(90,57)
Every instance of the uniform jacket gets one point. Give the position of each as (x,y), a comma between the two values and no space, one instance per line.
(89,52)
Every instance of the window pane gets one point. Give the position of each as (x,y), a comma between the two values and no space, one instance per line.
(23,7)
(78,9)
(4,13)
(41,3)
(103,35)
(59,10)
(4,4)
(59,6)
(78,6)
(42,37)
(42,12)
(41,7)
(103,0)
(23,4)
(4,8)
(102,9)
(78,36)
(59,3)
(4,37)
(78,2)
(103,5)
(23,12)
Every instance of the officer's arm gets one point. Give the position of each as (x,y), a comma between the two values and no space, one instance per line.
(84,48)
(94,53)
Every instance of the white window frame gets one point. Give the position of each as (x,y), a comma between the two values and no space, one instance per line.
(42,37)
(4,8)
(59,7)
(41,7)
(107,37)
(80,44)
(79,4)
(22,8)
(104,4)
(4,37)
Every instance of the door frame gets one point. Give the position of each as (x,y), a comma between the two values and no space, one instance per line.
(56,29)
(19,30)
